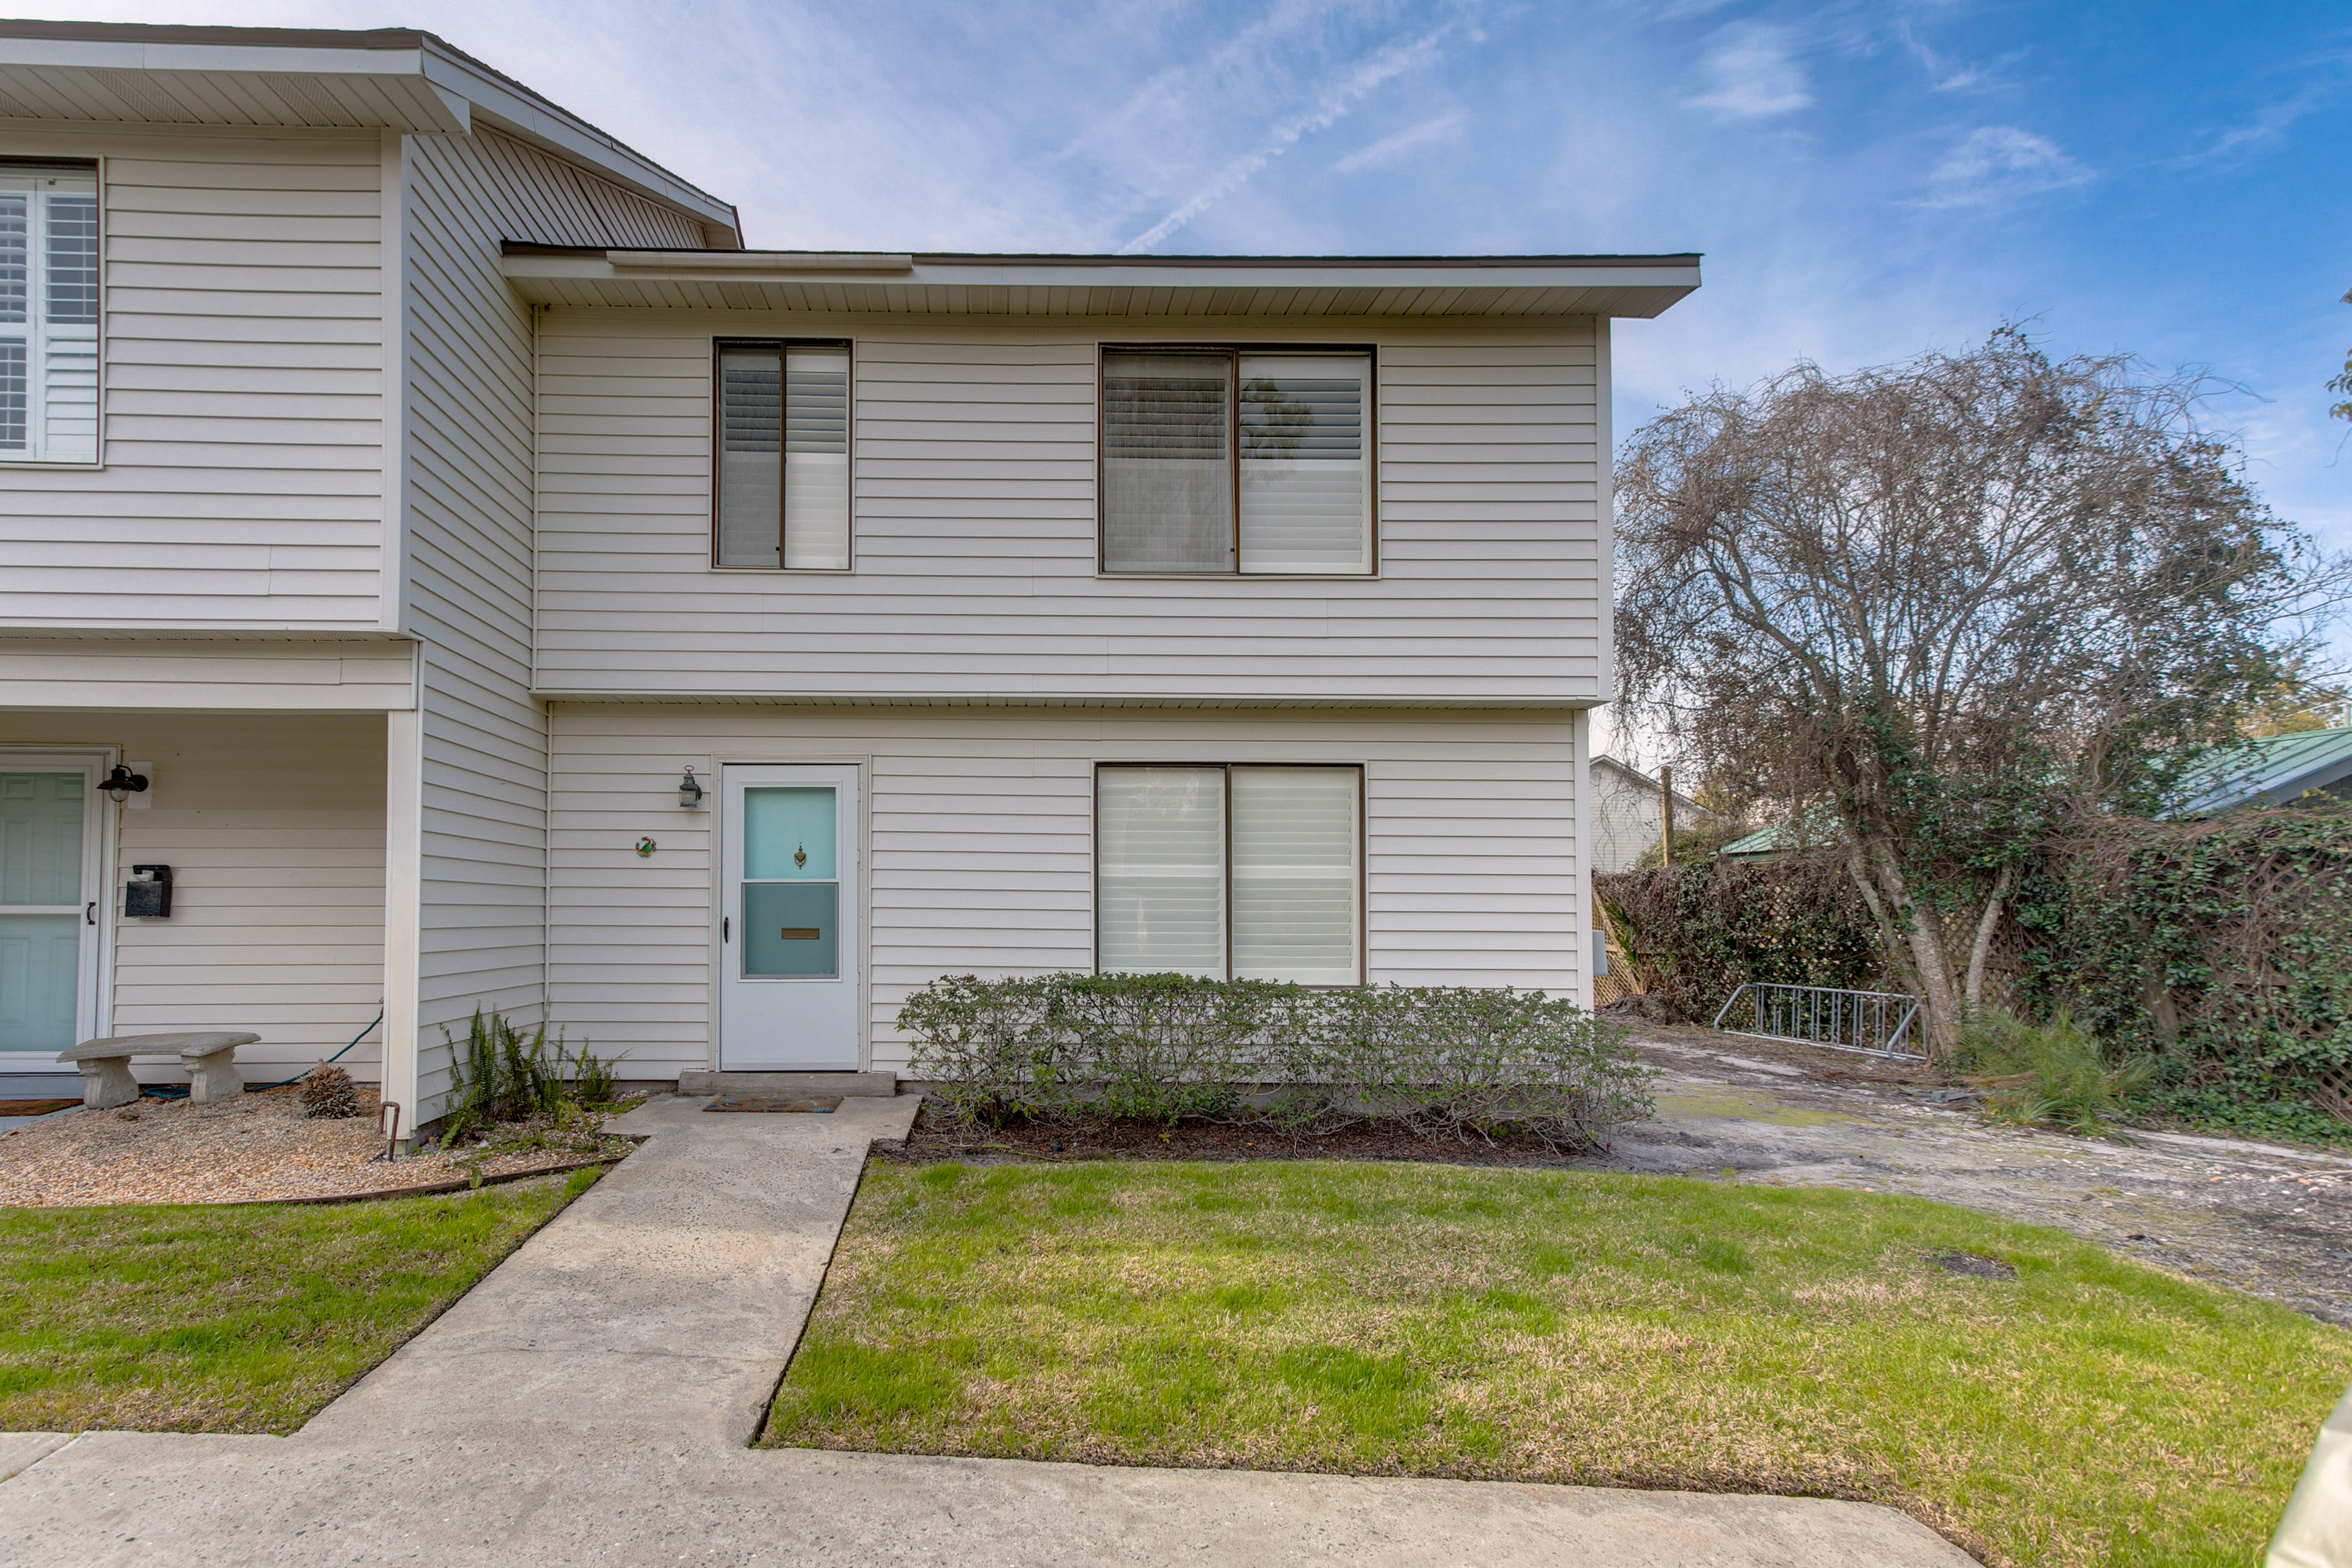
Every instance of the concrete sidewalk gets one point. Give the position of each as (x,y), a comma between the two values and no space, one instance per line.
(590,1401)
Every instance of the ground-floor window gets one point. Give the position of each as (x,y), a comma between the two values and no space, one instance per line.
(1247,870)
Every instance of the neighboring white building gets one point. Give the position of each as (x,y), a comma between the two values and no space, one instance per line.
(1629,815)
(413,484)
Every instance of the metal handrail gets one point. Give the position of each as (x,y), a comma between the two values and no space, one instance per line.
(1875,1022)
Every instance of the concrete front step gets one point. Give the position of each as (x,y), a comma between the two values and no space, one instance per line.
(843,1083)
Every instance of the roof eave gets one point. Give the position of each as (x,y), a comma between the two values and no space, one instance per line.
(407,81)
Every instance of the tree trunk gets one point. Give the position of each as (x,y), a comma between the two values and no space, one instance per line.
(1920,931)
(1980,952)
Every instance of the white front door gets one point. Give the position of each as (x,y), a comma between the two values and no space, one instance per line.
(50,920)
(791,935)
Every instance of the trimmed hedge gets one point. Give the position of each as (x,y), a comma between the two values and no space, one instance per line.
(1446,1061)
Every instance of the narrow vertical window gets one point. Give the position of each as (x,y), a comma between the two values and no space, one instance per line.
(1160,848)
(1294,861)
(48,314)
(1167,475)
(751,456)
(783,461)
(1306,489)
(816,461)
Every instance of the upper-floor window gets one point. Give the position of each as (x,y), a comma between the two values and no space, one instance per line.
(781,473)
(1237,460)
(48,314)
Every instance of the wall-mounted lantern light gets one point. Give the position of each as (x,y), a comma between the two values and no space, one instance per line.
(123,783)
(689,789)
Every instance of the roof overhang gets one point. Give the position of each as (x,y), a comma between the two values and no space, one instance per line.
(947,284)
(392,79)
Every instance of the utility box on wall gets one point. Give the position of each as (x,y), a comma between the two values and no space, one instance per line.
(148,895)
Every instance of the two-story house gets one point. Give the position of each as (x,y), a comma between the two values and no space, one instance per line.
(514,593)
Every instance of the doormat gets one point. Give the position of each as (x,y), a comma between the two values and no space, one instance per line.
(818,1103)
(33,1107)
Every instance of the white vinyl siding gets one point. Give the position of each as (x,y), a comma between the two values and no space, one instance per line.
(980,834)
(547,201)
(274,827)
(87,673)
(242,483)
(977,556)
(468,428)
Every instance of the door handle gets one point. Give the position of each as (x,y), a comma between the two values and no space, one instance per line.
(723,928)
(90,915)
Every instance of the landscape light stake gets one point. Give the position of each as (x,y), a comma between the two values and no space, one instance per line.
(387,1127)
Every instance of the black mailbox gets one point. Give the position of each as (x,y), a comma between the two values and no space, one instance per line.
(148,895)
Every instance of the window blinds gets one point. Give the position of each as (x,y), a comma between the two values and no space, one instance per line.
(1160,876)
(1305,487)
(1168,501)
(48,315)
(1277,897)
(1293,875)
(750,456)
(784,456)
(1182,450)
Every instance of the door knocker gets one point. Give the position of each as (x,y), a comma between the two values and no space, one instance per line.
(800,857)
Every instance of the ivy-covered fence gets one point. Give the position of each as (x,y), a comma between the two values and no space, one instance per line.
(2221,949)
(1694,934)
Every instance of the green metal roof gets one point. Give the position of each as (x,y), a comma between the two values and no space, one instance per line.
(2273,770)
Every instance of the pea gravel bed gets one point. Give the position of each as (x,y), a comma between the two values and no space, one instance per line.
(257,1148)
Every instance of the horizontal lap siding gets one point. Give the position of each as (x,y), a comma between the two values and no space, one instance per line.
(469,433)
(981,847)
(242,389)
(974,485)
(469,356)
(274,828)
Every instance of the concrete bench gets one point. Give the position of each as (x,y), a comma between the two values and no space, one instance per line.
(210,1059)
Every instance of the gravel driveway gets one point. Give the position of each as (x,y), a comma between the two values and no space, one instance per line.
(2273,1221)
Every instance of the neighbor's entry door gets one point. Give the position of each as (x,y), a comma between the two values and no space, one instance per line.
(50,921)
(789,925)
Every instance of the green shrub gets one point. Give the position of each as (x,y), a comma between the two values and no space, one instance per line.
(2051,1075)
(1444,1061)
(500,1074)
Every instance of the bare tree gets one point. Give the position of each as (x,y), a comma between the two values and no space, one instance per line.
(1935,606)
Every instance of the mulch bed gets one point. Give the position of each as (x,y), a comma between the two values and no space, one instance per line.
(257,1148)
(935,1141)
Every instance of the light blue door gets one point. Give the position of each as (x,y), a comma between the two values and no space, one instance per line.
(789,992)
(45,917)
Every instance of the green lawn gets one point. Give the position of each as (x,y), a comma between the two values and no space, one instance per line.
(1427,1320)
(233,1319)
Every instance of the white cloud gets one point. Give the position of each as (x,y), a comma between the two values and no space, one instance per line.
(1754,73)
(1332,102)
(1995,164)
(1389,151)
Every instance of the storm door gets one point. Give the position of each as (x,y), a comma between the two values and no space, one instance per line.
(789,934)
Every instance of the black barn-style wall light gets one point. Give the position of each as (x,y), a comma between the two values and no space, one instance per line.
(123,783)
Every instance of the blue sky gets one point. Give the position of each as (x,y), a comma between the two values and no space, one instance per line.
(1866,181)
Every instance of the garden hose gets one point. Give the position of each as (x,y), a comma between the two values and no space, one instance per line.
(180,1091)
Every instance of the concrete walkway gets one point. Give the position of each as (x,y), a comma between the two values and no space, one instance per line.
(590,1401)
